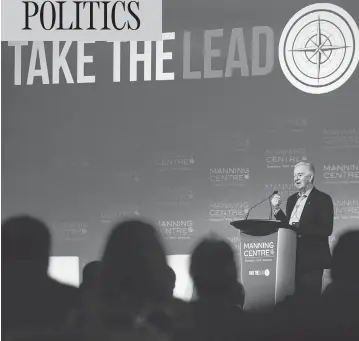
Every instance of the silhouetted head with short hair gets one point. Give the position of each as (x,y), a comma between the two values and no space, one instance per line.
(90,273)
(25,240)
(171,277)
(213,269)
(239,294)
(345,260)
(340,300)
(134,263)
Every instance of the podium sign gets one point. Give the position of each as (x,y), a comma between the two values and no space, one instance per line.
(258,258)
(267,262)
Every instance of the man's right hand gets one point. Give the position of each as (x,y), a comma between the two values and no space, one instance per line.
(276,201)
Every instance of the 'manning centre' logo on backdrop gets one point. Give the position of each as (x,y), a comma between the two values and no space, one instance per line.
(341,138)
(341,173)
(70,230)
(221,211)
(284,157)
(176,229)
(229,176)
(180,162)
(318,48)
(346,207)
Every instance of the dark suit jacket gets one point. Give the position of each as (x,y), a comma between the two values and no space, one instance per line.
(315,226)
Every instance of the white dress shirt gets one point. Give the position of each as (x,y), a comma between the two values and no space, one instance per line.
(299,206)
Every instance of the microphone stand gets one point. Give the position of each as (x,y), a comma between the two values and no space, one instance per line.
(268,198)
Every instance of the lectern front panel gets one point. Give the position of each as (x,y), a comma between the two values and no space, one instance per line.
(258,258)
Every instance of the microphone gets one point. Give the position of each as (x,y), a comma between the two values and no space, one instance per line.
(275,192)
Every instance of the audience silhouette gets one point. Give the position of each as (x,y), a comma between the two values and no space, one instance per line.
(134,289)
(217,313)
(130,290)
(341,297)
(89,274)
(171,279)
(30,298)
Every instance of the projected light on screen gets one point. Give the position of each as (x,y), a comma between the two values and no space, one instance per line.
(184,284)
(65,270)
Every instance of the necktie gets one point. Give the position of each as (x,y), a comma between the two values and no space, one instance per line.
(300,199)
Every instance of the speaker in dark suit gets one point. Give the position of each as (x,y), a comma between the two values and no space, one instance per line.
(311,214)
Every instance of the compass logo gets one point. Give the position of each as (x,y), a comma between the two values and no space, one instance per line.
(318,48)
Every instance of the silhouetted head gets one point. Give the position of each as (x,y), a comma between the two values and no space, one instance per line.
(239,294)
(213,268)
(25,240)
(90,273)
(345,261)
(134,263)
(171,279)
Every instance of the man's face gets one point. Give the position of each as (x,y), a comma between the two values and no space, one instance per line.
(302,177)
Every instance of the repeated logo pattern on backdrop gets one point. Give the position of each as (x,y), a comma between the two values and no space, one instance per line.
(190,154)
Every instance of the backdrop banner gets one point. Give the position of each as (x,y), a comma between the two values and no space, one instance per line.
(187,132)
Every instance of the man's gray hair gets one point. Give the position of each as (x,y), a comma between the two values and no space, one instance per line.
(309,165)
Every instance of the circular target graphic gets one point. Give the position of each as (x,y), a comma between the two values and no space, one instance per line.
(318,49)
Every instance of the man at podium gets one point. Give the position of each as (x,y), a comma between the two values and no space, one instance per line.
(311,214)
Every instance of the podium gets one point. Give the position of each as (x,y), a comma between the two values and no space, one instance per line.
(267,261)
